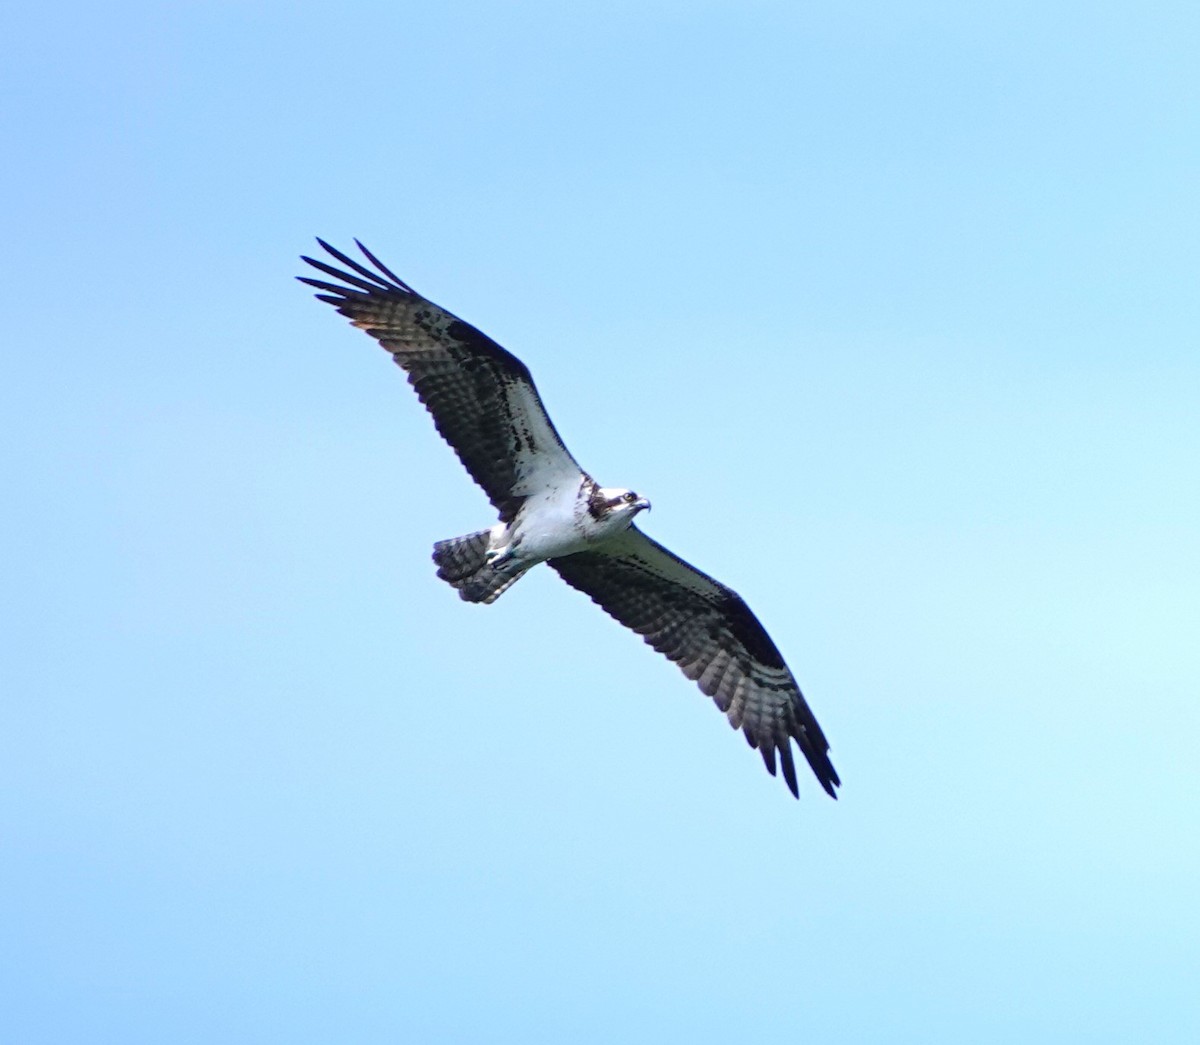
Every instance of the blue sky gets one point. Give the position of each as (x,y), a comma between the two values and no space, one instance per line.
(890,308)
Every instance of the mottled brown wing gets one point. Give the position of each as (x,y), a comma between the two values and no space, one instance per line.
(482,398)
(710,632)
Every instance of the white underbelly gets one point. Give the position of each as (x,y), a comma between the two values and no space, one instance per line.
(547,526)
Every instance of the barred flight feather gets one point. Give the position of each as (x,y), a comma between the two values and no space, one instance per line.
(482,398)
(707,630)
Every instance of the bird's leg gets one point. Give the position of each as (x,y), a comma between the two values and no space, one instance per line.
(501,547)
(496,556)
(503,555)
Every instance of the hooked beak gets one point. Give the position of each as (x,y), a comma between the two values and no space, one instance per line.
(641,502)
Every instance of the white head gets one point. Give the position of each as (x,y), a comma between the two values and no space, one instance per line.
(613,508)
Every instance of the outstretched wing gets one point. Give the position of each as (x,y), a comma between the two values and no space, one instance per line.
(709,631)
(482,398)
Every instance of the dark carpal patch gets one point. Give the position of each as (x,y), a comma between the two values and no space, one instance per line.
(749,630)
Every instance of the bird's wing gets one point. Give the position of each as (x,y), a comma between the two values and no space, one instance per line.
(710,632)
(482,398)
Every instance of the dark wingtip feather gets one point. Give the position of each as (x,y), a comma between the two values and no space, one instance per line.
(823,769)
(322,285)
(377,281)
(383,268)
(334,252)
(789,768)
(768,756)
(830,780)
(371,286)
(827,777)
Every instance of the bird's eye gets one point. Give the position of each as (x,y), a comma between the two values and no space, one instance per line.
(630,497)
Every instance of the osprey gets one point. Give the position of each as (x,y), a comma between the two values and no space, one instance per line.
(485,405)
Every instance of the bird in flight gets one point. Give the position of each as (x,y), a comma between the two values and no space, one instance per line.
(485,405)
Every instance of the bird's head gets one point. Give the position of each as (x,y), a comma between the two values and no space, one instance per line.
(617,507)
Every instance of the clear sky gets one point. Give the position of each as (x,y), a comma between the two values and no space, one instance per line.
(892,309)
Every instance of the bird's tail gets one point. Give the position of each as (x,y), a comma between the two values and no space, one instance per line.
(462,563)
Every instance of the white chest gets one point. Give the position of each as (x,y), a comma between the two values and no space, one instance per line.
(550,524)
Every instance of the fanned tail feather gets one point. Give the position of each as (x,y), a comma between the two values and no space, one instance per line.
(462,563)
(460,557)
